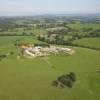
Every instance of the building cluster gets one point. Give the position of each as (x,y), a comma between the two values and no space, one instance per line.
(34,51)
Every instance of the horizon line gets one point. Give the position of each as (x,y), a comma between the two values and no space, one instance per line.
(42,14)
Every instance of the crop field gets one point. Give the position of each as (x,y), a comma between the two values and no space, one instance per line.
(31,79)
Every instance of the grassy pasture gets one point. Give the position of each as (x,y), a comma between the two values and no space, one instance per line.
(80,26)
(31,79)
(21,30)
(7,43)
(92,42)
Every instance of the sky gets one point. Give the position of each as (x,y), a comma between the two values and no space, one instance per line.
(32,7)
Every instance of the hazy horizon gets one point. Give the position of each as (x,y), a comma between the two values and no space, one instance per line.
(38,7)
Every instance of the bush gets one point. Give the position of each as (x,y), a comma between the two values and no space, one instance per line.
(55,83)
(3,56)
(42,44)
(11,53)
(72,76)
(65,80)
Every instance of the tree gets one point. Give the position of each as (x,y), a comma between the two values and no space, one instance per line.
(55,83)
(11,53)
(24,33)
(32,34)
(65,80)
(72,76)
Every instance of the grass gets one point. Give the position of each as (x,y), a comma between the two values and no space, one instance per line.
(31,79)
(21,30)
(80,26)
(92,42)
(7,42)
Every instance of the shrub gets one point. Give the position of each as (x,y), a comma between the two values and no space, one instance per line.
(55,83)
(65,80)
(11,53)
(72,76)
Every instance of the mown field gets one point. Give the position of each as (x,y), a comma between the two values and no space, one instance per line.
(91,42)
(31,79)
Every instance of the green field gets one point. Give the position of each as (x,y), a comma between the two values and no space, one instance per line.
(7,42)
(20,31)
(31,79)
(80,26)
(92,42)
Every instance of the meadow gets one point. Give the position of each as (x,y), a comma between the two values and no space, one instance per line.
(91,42)
(80,26)
(31,79)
